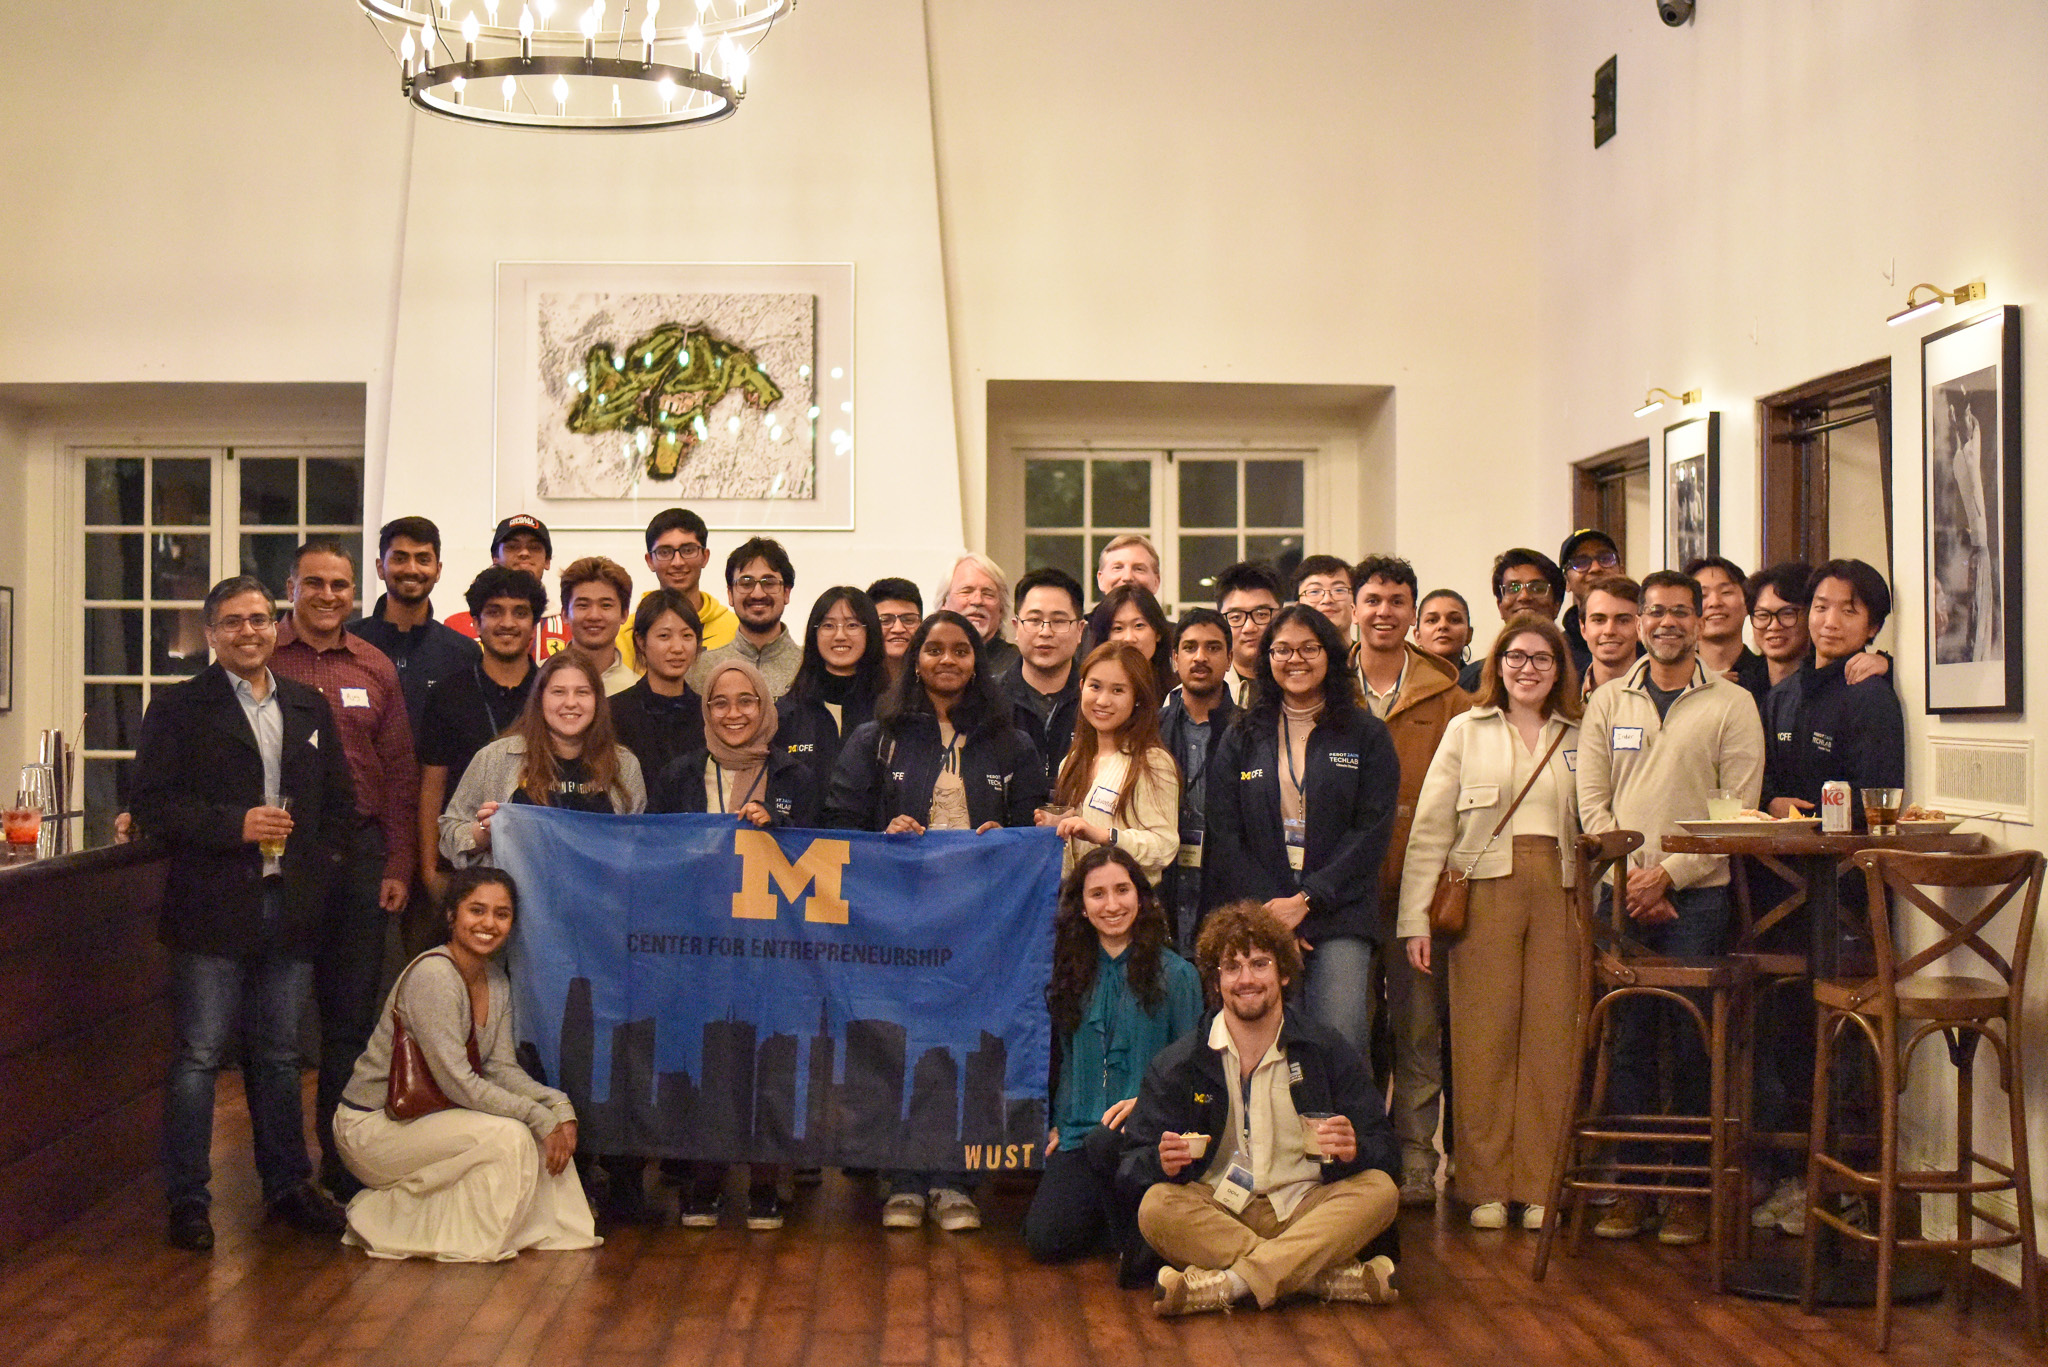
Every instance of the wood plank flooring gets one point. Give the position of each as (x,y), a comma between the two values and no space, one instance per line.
(834,1290)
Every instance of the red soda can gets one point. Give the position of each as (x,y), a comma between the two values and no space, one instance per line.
(1834,809)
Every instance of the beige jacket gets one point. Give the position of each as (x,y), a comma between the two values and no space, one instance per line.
(1150,833)
(1470,784)
(1639,774)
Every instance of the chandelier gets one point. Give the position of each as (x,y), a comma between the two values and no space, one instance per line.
(543,64)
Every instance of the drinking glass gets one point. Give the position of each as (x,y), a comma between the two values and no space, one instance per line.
(1881,809)
(274,848)
(1724,804)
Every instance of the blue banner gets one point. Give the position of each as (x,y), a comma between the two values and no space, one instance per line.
(705,989)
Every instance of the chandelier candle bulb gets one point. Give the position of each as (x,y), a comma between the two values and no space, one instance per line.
(561,96)
(469,32)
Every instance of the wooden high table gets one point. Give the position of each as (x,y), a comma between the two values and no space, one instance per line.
(1816,860)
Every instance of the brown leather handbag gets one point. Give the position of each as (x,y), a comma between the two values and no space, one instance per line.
(409,1089)
(1453,896)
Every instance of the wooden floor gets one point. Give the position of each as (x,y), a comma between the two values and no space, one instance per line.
(833,1288)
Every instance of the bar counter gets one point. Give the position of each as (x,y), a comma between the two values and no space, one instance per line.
(85,1032)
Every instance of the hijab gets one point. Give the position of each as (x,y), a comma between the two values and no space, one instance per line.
(742,764)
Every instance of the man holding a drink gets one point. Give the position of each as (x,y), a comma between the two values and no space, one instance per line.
(220,757)
(1264,1154)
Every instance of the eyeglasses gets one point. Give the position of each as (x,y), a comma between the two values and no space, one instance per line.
(661,555)
(1321,593)
(734,702)
(1525,588)
(1606,560)
(1258,617)
(1043,624)
(1542,661)
(1786,616)
(898,619)
(832,628)
(1311,650)
(233,626)
(1681,613)
(1262,964)
(747,583)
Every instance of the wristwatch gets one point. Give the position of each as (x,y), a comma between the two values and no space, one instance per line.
(1112,836)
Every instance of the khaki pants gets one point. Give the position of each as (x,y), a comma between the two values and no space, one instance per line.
(1512,988)
(1188,1228)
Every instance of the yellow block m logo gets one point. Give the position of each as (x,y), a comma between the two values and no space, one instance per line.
(819,866)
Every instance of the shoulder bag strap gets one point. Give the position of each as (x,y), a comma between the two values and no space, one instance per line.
(1509,814)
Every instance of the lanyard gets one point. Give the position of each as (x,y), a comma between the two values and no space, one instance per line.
(483,693)
(745,797)
(1244,1114)
(1293,774)
(1193,779)
(949,758)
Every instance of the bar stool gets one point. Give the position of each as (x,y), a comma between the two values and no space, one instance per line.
(1615,969)
(1964,1010)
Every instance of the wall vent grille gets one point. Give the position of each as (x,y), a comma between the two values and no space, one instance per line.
(1983,778)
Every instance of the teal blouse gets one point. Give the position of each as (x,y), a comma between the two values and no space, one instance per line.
(1105,1058)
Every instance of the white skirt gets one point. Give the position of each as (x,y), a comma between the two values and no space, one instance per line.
(459,1186)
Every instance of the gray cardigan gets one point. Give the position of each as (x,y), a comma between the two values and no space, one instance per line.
(435,1003)
(493,776)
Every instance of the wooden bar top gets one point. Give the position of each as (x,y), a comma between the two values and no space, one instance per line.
(1794,843)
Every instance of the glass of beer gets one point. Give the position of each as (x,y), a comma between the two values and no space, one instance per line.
(273,848)
(1881,809)
(1724,804)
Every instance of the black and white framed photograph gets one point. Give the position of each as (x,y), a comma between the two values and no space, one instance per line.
(1692,490)
(623,387)
(1970,395)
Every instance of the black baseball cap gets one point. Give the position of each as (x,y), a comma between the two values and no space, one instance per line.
(522,522)
(1571,543)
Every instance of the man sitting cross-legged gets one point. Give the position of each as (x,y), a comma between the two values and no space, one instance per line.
(1226,1137)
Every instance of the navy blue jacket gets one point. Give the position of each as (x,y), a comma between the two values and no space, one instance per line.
(1173,724)
(804,728)
(1185,1090)
(1818,727)
(880,777)
(1054,735)
(197,774)
(1352,785)
(790,795)
(423,656)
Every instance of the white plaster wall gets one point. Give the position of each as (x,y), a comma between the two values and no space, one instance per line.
(1296,192)
(1782,175)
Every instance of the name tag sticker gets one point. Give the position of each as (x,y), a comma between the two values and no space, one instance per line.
(1234,1192)
(355,697)
(1571,761)
(1628,737)
(1103,799)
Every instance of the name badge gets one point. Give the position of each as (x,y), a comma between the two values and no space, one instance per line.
(1103,799)
(1234,1192)
(1190,856)
(355,697)
(1628,738)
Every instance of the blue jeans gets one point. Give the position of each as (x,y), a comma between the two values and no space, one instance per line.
(1338,988)
(1638,1023)
(259,999)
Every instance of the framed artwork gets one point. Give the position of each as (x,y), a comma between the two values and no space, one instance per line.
(1692,490)
(6,650)
(624,388)
(1970,396)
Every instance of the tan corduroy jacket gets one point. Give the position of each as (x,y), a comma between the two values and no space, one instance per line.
(1639,774)
(1428,699)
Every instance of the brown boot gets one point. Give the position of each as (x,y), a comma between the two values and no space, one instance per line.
(1685,1221)
(1624,1219)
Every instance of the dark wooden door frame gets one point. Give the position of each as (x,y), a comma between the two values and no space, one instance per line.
(1793,488)
(1597,496)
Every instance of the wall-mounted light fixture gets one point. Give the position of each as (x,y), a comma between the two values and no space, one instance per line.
(1651,403)
(1915,306)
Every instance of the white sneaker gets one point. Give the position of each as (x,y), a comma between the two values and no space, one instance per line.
(1191,1290)
(1490,1215)
(1788,1196)
(954,1211)
(904,1210)
(1532,1217)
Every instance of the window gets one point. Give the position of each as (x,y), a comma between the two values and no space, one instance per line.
(1203,509)
(159,528)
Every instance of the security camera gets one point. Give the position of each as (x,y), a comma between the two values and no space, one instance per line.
(1674,12)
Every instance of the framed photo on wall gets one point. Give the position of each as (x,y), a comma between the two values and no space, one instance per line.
(627,387)
(1970,395)
(1692,490)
